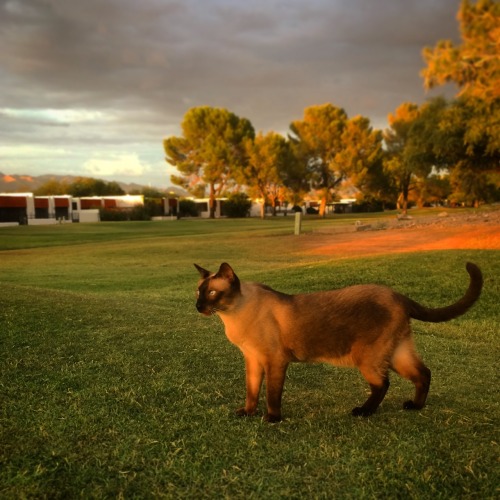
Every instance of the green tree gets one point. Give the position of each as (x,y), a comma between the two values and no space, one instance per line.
(87,186)
(294,173)
(472,122)
(402,161)
(52,187)
(475,64)
(210,151)
(267,157)
(318,137)
(436,188)
(334,147)
(424,140)
(469,150)
(112,188)
(362,157)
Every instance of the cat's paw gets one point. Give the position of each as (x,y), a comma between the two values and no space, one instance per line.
(242,412)
(359,411)
(410,405)
(272,419)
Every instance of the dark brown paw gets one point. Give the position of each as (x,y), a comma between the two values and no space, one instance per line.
(242,412)
(272,419)
(359,411)
(410,405)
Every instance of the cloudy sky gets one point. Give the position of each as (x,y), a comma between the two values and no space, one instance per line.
(91,87)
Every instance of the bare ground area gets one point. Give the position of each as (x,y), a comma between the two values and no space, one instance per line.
(442,232)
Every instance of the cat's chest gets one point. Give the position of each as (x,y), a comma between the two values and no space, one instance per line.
(236,333)
(244,334)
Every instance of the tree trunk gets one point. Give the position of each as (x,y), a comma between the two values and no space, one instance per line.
(274,207)
(405,205)
(403,201)
(405,192)
(212,202)
(262,192)
(324,201)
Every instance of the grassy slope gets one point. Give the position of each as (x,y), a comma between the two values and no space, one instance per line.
(112,384)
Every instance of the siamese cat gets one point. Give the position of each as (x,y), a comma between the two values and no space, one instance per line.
(363,326)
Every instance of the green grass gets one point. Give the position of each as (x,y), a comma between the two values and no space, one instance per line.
(111,385)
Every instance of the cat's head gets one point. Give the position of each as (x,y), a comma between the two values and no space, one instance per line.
(216,291)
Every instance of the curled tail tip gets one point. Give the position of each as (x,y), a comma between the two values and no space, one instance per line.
(471,266)
(474,270)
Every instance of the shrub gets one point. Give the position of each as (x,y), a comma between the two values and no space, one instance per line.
(237,205)
(113,215)
(368,206)
(188,208)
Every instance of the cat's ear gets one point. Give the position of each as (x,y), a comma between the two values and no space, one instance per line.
(226,271)
(203,272)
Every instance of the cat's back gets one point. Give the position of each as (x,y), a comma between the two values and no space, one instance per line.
(264,292)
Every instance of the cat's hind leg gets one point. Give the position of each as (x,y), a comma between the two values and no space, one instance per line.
(407,363)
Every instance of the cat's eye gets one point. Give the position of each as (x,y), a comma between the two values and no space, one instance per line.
(211,293)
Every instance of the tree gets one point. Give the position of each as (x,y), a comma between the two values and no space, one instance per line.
(319,139)
(468,149)
(404,162)
(294,174)
(267,156)
(210,151)
(87,186)
(473,120)
(475,65)
(436,188)
(52,187)
(362,157)
(334,147)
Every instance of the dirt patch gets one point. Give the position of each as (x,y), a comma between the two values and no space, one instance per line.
(444,232)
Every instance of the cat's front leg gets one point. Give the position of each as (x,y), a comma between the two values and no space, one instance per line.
(275,379)
(254,376)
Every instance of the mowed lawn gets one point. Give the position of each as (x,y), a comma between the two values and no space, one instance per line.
(112,385)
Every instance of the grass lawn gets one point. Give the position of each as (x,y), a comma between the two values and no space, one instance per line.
(112,385)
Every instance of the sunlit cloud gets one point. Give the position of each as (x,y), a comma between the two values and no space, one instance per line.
(61,116)
(127,165)
(29,152)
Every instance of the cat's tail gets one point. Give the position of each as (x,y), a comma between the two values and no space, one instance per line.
(437,315)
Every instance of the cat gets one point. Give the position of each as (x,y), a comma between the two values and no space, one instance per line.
(364,326)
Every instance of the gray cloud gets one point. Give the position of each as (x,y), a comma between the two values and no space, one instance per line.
(126,72)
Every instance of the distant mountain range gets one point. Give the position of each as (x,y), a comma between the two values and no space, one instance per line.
(27,184)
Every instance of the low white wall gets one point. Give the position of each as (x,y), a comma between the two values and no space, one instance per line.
(41,222)
(163,217)
(89,215)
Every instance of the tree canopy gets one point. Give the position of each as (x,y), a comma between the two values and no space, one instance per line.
(475,64)
(210,149)
(267,159)
(334,147)
(81,186)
